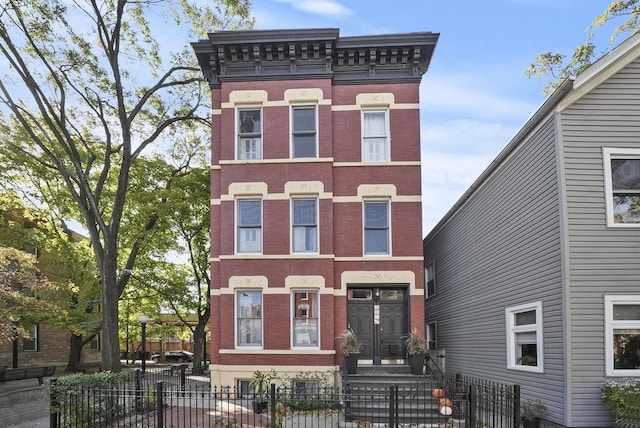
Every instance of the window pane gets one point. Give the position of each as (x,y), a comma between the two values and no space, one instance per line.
(304,146)
(249,148)
(528,355)
(249,317)
(30,341)
(374,124)
(375,241)
(304,239)
(248,213)
(626,349)
(304,211)
(626,312)
(250,240)
(304,119)
(305,320)
(626,208)
(526,318)
(375,214)
(249,121)
(625,174)
(375,149)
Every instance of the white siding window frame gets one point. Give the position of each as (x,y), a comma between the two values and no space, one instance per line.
(513,330)
(610,325)
(609,153)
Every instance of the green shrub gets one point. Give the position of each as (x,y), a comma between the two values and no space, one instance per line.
(622,398)
(81,400)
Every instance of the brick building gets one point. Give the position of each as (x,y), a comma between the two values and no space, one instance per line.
(315,197)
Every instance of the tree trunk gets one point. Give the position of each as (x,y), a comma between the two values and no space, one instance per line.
(199,342)
(75,353)
(110,297)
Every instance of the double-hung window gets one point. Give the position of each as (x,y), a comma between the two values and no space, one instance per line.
(376,227)
(622,335)
(249,226)
(249,318)
(622,186)
(524,337)
(303,132)
(304,225)
(375,136)
(30,341)
(305,319)
(430,279)
(249,134)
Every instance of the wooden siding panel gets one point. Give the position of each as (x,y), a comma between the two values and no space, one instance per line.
(602,260)
(502,249)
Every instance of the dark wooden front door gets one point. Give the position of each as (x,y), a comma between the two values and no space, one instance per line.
(378,316)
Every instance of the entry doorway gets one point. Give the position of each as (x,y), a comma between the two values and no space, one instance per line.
(378,316)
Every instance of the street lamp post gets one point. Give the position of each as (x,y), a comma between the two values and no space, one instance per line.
(144,320)
(14,359)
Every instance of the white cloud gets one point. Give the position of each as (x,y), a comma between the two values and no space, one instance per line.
(320,7)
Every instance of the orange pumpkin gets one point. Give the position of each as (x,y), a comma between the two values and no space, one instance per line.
(445,402)
(438,393)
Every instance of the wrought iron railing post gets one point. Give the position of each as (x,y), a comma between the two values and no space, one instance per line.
(183,378)
(159,404)
(516,406)
(272,400)
(471,393)
(54,414)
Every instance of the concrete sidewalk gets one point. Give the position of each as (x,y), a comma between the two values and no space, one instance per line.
(23,404)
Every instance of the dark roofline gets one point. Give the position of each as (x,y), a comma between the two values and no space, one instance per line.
(234,56)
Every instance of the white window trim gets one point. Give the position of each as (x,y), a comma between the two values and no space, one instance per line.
(236,148)
(389,231)
(512,329)
(235,320)
(35,329)
(291,248)
(616,153)
(387,130)
(610,324)
(236,225)
(293,311)
(317,130)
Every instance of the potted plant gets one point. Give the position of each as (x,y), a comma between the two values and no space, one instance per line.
(531,411)
(350,349)
(260,385)
(416,349)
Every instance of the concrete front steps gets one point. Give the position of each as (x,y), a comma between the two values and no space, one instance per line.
(392,396)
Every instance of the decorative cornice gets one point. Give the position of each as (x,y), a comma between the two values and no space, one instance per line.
(232,56)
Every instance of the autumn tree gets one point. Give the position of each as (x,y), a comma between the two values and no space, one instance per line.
(87,90)
(556,66)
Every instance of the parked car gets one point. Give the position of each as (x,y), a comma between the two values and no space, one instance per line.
(174,356)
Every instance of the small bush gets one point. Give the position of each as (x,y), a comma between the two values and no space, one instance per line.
(622,398)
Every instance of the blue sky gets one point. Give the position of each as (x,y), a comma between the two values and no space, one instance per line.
(475,96)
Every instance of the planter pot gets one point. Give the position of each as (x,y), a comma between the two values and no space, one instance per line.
(352,364)
(530,424)
(260,406)
(416,363)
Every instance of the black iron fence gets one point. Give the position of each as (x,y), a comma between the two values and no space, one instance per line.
(176,398)
(490,403)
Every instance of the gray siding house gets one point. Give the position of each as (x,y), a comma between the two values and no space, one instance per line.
(533,276)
